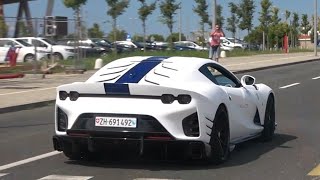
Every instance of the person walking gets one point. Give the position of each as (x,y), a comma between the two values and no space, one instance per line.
(215,42)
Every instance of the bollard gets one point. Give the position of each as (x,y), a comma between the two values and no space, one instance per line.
(98,63)
(223,54)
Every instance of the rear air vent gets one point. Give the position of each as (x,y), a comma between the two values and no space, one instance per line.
(191,125)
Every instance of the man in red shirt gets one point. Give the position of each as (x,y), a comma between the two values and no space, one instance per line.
(215,42)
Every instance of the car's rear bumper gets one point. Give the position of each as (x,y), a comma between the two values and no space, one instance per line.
(97,141)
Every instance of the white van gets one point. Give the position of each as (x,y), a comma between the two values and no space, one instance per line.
(26,51)
(60,52)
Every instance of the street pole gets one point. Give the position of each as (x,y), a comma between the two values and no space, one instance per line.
(214,4)
(315,35)
(180,23)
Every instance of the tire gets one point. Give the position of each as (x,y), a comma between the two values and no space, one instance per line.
(269,121)
(220,138)
(28,58)
(103,54)
(57,56)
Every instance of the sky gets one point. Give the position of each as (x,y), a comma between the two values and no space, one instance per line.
(94,11)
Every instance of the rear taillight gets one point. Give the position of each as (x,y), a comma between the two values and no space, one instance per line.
(63,95)
(73,95)
(167,98)
(184,99)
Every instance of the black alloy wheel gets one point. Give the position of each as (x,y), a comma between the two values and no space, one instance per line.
(269,121)
(220,138)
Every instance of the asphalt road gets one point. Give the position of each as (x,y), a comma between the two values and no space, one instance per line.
(294,152)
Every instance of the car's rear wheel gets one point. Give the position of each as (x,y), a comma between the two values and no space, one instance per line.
(28,58)
(57,56)
(269,121)
(220,137)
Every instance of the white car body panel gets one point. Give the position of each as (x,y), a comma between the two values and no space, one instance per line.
(22,50)
(67,52)
(176,76)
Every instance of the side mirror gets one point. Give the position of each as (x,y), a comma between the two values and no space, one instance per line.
(248,80)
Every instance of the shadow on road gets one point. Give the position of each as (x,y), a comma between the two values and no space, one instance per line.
(244,153)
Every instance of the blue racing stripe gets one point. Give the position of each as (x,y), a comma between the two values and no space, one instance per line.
(119,89)
(135,74)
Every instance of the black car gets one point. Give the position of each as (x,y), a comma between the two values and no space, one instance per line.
(87,47)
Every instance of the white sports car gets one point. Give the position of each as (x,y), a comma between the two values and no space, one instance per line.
(191,102)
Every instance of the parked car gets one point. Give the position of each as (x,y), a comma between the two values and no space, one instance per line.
(60,52)
(26,51)
(87,47)
(194,105)
(190,44)
(226,42)
(129,44)
(107,44)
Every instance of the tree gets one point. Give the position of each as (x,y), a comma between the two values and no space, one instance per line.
(95,31)
(144,11)
(23,30)
(305,26)
(156,37)
(245,14)
(294,29)
(175,37)
(219,17)
(265,19)
(116,8)
(138,38)
(201,9)
(274,31)
(232,21)
(3,28)
(275,16)
(287,15)
(75,5)
(168,9)
(120,35)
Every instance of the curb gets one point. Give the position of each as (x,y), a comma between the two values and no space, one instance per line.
(48,102)
(26,106)
(275,66)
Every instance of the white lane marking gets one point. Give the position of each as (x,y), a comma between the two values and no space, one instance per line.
(290,85)
(316,78)
(25,161)
(42,89)
(63,177)
(2,174)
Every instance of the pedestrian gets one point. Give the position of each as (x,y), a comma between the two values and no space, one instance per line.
(215,42)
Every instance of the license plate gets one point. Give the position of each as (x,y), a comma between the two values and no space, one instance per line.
(126,122)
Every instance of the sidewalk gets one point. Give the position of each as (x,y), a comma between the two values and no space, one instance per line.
(34,91)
